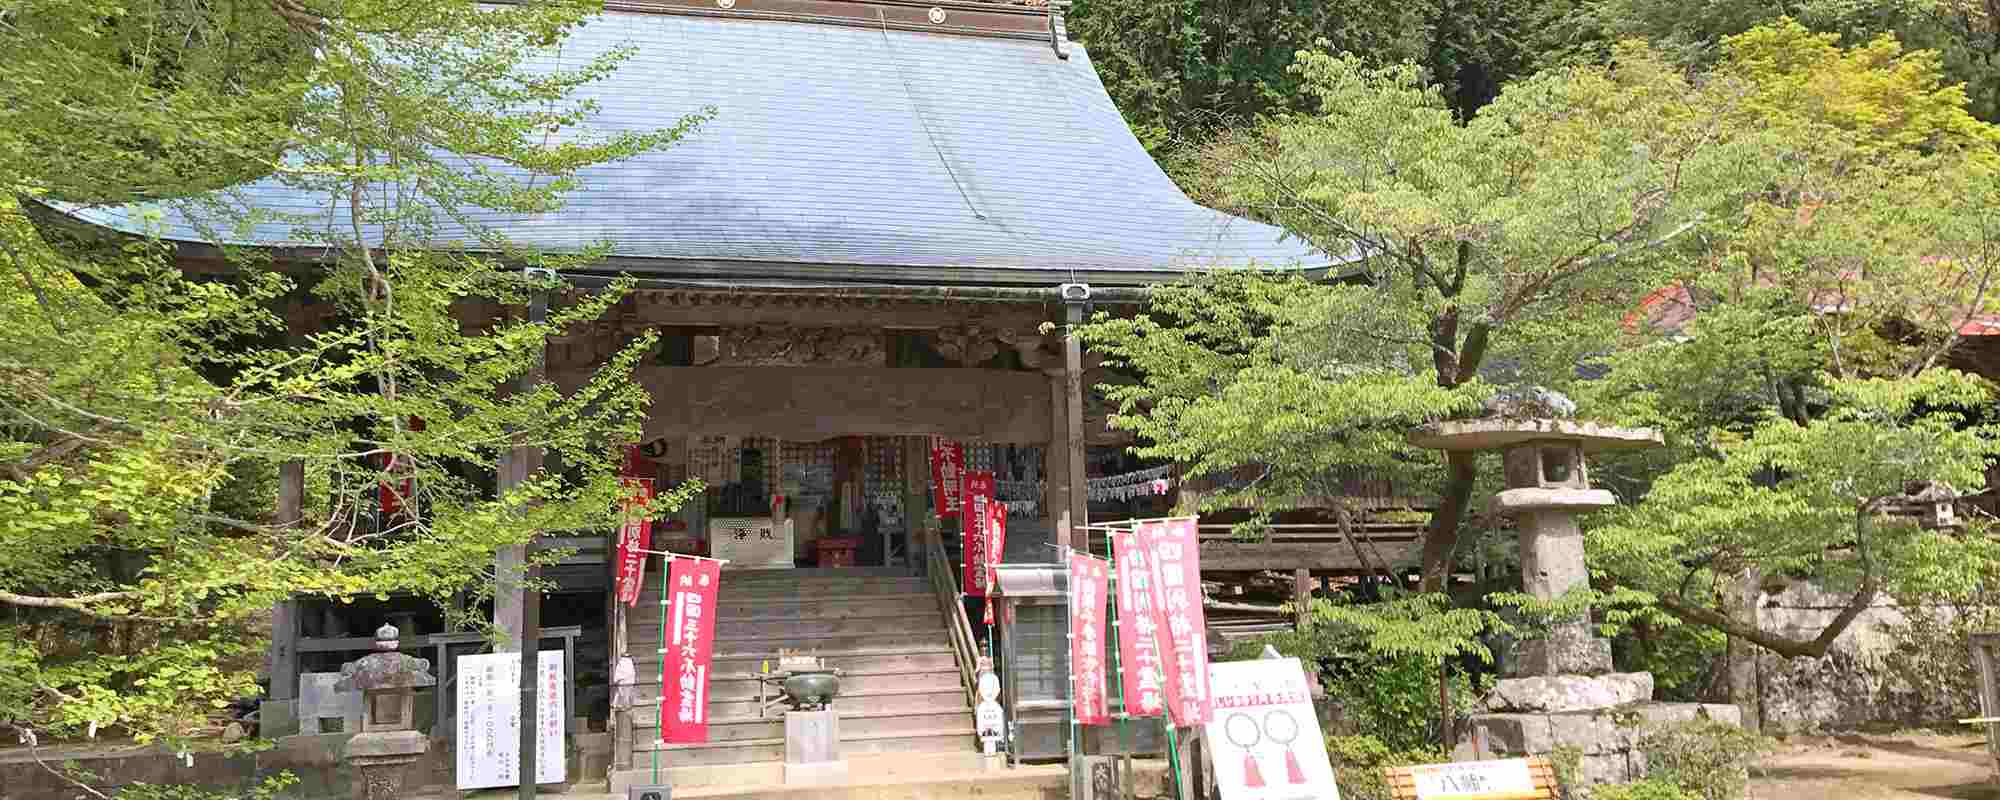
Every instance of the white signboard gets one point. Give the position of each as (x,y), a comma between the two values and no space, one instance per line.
(1265,737)
(489,720)
(751,542)
(1473,779)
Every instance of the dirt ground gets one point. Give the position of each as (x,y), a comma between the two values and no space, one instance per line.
(1877,767)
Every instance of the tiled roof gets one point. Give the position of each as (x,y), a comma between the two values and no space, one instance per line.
(848,153)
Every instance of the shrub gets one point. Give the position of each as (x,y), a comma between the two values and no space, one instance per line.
(1358,762)
(1648,789)
(1706,759)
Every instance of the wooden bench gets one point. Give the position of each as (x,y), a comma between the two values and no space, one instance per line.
(1403,784)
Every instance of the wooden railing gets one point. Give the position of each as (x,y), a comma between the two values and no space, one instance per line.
(945,584)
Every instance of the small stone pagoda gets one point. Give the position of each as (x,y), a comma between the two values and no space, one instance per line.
(1562,690)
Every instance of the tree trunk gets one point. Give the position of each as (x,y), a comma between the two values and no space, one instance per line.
(1741,659)
(1441,538)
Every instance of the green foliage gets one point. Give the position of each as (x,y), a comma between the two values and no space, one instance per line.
(145,411)
(1706,759)
(1359,761)
(1381,662)
(1508,237)
(1682,658)
(1648,789)
(1960,32)
(268,789)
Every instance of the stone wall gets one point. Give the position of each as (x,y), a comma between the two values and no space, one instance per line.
(1607,737)
(1855,684)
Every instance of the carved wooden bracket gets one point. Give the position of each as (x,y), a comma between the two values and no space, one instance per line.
(784,345)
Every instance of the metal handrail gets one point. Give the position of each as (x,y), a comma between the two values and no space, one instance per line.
(939,567)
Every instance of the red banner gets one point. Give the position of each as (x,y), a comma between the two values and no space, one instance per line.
(1140,667)
(689,641)
(975,530)
(1176,559)
(392,496)
(634,538)
(947,475)
(996,547)
(1087,583)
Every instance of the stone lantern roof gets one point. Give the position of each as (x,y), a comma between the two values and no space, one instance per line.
(1502,433)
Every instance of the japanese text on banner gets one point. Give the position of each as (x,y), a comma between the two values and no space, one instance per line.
(1139,623)
(635,537)
(976,532)
(947,475)
(1176,556)
(1087,584)
(996,546)
(689,642)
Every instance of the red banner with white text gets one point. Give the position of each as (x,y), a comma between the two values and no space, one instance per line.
(689,642)
(975,530)
(635,537)
(947,475)
(996,546)
(1088,577)
(1175,552)
(1140,665)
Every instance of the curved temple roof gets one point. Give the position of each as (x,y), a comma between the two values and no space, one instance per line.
(848,153)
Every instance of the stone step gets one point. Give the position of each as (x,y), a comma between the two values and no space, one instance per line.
(729,627)
(862,768)
(741,686)
(868,702)
(832,609)
(908,656)
(766,648)
(812,587)
(853,724)
(910,743)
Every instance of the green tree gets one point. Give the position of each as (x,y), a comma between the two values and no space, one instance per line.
(1181,70)
(1509,237)
(147,410)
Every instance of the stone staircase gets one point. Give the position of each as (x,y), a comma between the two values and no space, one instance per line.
(900,690)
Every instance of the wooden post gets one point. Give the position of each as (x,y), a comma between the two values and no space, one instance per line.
(278,715)
(1058,461)
(1079,495)
(1989,697)
(1302,592)
(916,490)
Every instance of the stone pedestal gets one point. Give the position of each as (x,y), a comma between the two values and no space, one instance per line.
(380,759)
(1609,738)
(812,747)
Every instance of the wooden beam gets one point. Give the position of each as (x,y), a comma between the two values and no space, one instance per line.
(719,309)
(1079,499)
(1057,456)
(808,404)
(1235,557)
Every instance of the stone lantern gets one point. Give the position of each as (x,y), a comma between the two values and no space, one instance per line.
(1547,485)
(388,742)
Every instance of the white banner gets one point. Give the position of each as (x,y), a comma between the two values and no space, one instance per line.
(489,720)
(1264,735)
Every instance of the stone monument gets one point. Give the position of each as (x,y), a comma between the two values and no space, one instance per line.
(1562,690)
(388,741)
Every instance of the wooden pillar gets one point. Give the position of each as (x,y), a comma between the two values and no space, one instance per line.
(916,491)
(1302,592)
(1058,461)
(510,564)
(278,715)
(1079,496)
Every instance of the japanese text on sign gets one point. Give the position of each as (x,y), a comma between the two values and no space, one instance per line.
(1139,660)
(1472,779)
(1087,581)
(689,640)
(976,530)
(1176,561)
(947,475)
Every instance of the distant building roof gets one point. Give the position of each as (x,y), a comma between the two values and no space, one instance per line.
(845,152)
